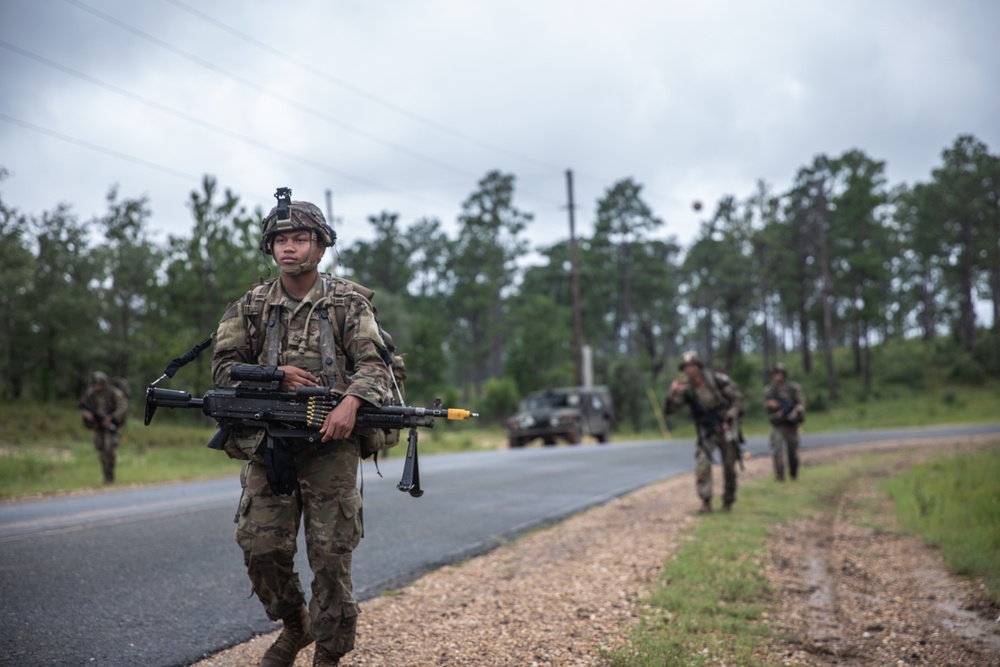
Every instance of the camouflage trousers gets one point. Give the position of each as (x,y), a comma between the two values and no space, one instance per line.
(785,445)
(703,466)
(106,444)
(267,525)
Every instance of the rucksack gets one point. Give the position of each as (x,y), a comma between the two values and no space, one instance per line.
(386,438)
(121,383)
(381,439)
(123,386)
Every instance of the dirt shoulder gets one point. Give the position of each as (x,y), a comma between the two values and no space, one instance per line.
(850,594)
(853,589)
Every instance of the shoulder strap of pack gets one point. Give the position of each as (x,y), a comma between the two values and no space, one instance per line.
(337,292)
(712,380)
(340,290)
(254,305)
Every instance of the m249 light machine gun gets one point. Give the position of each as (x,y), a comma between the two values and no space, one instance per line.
(259,402)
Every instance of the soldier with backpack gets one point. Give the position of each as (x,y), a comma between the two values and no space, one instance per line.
(785,403)
(716,404)
(105,408)
(320,331)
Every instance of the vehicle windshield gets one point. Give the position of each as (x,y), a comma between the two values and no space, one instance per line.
(548,401)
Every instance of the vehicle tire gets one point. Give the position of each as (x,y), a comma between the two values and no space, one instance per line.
(573,436)
(516,442)
(602,438)
(549,440)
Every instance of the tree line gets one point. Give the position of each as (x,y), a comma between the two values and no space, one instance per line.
(841,259)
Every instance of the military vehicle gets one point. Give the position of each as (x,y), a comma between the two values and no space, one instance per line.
(568,413)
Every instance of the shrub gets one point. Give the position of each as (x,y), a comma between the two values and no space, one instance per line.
(910,376)
(499,399)
(987,352)
(967,370)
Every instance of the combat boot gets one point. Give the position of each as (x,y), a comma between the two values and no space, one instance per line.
(295,636)
(727,506)
(323,658)
(706,506)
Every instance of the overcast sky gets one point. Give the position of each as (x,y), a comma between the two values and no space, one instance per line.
(404,106)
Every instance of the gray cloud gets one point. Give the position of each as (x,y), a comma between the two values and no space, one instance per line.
(404,106)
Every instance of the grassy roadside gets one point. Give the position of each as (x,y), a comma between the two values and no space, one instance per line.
(955,505)
(712,601)
(44,449)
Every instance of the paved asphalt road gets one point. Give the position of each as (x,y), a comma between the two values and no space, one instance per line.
(152,576)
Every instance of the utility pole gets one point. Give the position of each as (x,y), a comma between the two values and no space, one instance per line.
(333,225)
(574,276)
(329,206)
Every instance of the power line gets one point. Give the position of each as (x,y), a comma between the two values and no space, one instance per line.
(354,89)
(265,91)
(100,149)
(197,121)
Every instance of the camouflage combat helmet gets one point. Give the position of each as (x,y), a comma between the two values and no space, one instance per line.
(98,377)
(690,357)
(301,215)
(780,368)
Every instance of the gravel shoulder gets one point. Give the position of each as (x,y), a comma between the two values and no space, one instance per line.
(849,592)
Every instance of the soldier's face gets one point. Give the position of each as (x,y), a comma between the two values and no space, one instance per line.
(296,247)
(691,370)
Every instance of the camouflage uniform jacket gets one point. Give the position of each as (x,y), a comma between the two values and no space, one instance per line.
(789,393)
(111,402)
(268,327)
(717,391)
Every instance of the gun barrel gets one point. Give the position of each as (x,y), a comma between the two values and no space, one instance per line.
(454,414)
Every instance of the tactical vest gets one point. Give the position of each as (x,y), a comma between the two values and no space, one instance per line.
(263,320)
(711,382)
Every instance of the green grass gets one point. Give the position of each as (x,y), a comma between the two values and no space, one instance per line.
(955,505)
(45,449)
(75,466)
(712,601)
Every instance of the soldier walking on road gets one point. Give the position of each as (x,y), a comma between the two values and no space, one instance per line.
(785,403)
(292,323)
(716,406)
(104,408)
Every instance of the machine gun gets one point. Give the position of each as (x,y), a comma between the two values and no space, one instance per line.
(786,408)
(714,421)
(97,423)
(258,402)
